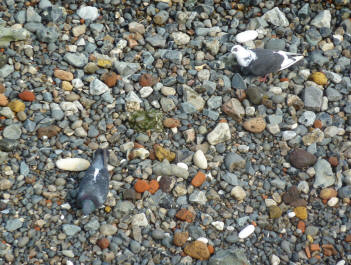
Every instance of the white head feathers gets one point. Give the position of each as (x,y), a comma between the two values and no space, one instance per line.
(243,55)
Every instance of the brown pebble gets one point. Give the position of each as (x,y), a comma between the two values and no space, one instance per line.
(197,250)
(171,123)
(255,125)
(49,131)
(2,89)
(103,243)
(328,193)
(318,124)
(333,161)
(147,80)
(110,79)
(180,238)
(300,158)
(185,215)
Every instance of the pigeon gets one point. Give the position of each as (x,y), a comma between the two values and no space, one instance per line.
(93,188)
(260,62)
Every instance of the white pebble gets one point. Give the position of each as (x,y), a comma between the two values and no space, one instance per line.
(238,193)
(203,240)
(230,228)
(146,91)
(66,206)
(247,231)
(200,159)
(333,201)
(73,164)
(291,214)
(246,36)
(270,202)
(182,165)
(341,262)
(275,260)
(88,12)
(218,225)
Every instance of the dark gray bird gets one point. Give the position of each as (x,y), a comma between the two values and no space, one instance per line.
(93,188)
(260,62)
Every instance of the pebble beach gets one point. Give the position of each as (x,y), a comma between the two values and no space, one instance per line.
(207,165)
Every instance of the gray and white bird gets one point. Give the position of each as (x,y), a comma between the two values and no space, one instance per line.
(260,62)
(93,188)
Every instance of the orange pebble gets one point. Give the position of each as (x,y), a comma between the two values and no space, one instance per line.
(210,249)
(153,186)
(315,247)
(301,225)
(308,252)
(284,79)
(199,178)
(318,124)
(141,185)
(27,95)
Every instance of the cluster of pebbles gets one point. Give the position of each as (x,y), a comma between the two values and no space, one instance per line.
(207,166)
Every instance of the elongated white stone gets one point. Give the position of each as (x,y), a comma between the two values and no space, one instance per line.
(246,36)
(247,231)
(73,164)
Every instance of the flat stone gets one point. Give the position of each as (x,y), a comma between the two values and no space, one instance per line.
(276,17)
(313,98)
(97,87)
(324,176)
(323,19)
(71,230)
(13,131)
(13,224)
(76,59)
(219,134)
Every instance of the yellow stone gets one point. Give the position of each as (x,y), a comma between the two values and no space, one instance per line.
(319,78)
(310,238)
(301,212)
(67,86)
(163,153)
(104,63)
(17,105)
(108,209)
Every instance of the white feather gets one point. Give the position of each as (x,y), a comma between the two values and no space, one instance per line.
(96,172)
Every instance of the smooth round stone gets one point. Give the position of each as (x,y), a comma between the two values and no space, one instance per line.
(246,232)
(73,164)
(12,132)
(246,36)
(200,159)
(333,201)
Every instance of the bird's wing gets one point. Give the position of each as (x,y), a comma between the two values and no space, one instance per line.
(94,187)
(289,59)
(267,61)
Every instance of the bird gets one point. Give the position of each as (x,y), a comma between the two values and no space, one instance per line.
(93,187)
(261,62)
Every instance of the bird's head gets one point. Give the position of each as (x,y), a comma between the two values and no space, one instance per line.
(236,49)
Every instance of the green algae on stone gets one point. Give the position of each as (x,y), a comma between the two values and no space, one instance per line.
(146,120)
(9,34)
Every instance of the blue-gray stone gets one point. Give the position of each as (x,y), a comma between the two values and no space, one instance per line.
(313,98)
(188,108)
(90,47)
(345,192)
(125,68)
(324,174)
(57,114)
(71,230)
(313,36)
(6,70)
(209,86)
(3,157)
(76,59)
(107,97)
(32,16)
(304,11)
(20,17)
(156,41)
(98,27)
(234,161)
(238,82)
(135,246)
(275,44)
(13,224)
(316,57)
(214,102)
(232,256)
(231,178)
(47,96)
(173,55)
(279,183)
(333,94)
(44,4)
(93,132)
(158,234)
(213,115)
(47,34)
(34,27)
(92,225)
(13,131)
(7,145)
(24,169)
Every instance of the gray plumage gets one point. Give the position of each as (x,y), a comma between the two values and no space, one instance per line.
(93,188)
(261,62)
